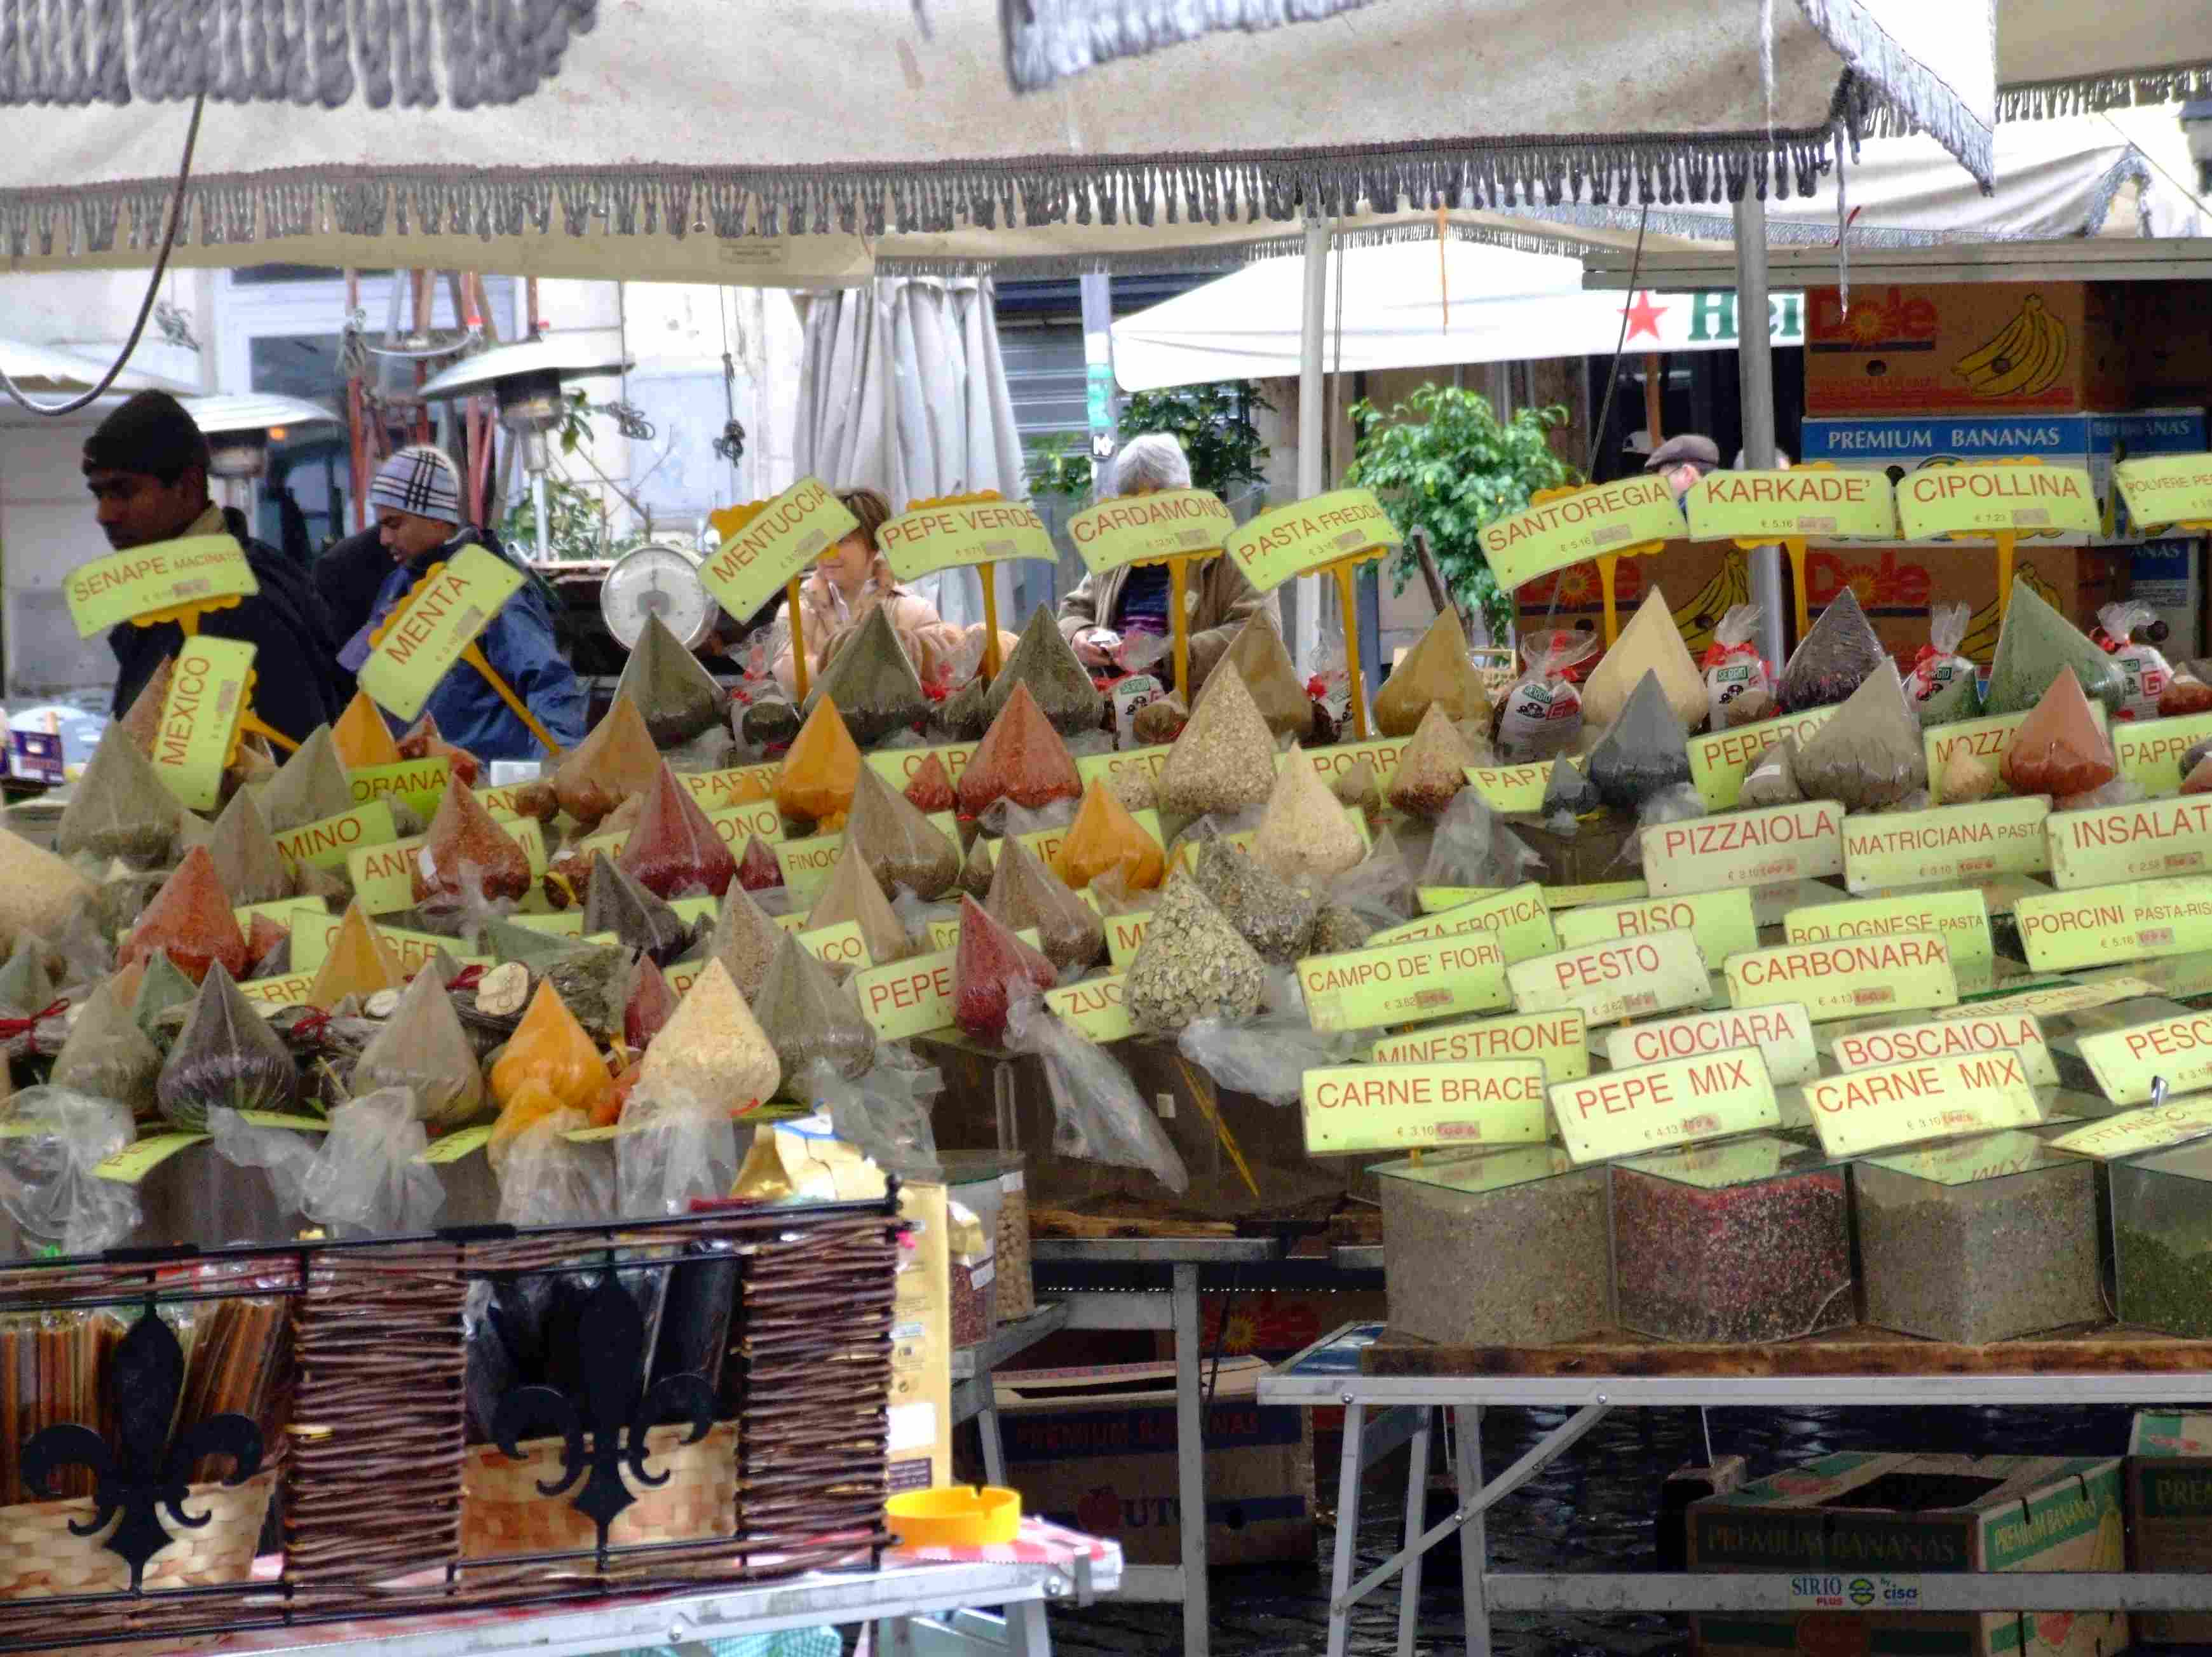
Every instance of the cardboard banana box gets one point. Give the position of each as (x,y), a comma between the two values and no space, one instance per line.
(1965,347)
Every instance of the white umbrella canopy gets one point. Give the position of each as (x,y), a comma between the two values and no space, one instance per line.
(2058,57)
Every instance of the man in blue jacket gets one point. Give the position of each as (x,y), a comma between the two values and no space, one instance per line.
(416,498)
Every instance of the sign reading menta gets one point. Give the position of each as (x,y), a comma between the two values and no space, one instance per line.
(1980,498)
(196,570)
(423,638)
(1142,528)
(1579,524)
(200,712)
(1351,1107)
(772,547)
(935,535)
(1309,535)
(1783,505)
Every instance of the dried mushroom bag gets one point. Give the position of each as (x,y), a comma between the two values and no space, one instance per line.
(2058,749)
(745,940)
(616,759)
(873,682)
(988,965)
(677,698)
(1225,760)
(1191,964)
(929,790)
(549,1065)
(467,861)
(1772,778)
(1431,768)
(422,1048)
(1257,654)
(620,905)
(1025,893)
(1437,672)
(1645,752)
(246,859)
(821,768)
(1104,837)
(713,1050)
(2035,644)
(1869,755)
(806,1016)
(1650,643)
(1043,660)
(1098,1116)
(119,807)
(852,893)
(308,786)
(1836,656)
(1275,918)
(38,890)
(164,985)
(108,1055)
(1021,758)
(226,1056)
(899,845)
(674,851)
(191,919)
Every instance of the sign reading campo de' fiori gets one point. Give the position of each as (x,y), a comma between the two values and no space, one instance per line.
(963,529)
(1791,506)
(440,618)
(773,544)
(1575,525)
(1173,524)
(200,712)
(1981,498)
(1308,535)
(193,571)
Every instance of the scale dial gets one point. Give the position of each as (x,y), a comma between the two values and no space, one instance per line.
(657,580)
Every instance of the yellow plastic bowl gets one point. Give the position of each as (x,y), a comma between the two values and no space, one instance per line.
(957,1516)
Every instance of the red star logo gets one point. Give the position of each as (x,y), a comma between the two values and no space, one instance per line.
(1643,315)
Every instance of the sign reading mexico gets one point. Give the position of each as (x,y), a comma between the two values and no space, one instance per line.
(768,546)
(1574,525)
(200,569)
(1311,535)
(1146,528)
(1992,497)
(422,639)
(206,699)
(1791,506)
(963,529)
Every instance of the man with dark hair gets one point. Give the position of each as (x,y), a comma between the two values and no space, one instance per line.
(147,467)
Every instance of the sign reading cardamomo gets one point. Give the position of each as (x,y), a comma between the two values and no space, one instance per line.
(1147,528)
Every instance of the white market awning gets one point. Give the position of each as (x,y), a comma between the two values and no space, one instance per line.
(2058,57)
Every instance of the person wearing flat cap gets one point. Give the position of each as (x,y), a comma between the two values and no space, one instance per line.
(416,498)
(146,465)
(1683,460)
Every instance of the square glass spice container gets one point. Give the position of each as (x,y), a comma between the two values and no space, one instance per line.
(1743,1240)
(1978,1240)
(1502,1248)
(2162,1227)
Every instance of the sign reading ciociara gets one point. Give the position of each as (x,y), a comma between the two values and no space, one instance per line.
(1791,505)
(200,569)
(1173,524)
(1309,535)
(1577,524)
(963,529)
(774,544)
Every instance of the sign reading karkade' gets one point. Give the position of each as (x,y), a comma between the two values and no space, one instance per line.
(1745,848)
(1796,505)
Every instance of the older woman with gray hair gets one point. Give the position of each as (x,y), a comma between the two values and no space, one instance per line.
(1095,617)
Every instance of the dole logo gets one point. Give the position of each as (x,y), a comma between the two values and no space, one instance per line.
(1880,583)
(1872,323)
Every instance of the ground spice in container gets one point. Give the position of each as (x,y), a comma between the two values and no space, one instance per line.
(990,965)
(423,741)
(745,941)
(1745,1241)
(2162,1219)
(1225,760)
(1437,672)
(757,870)
(806,1017)
(467,858)
(1433,770)
(1025,893)
(821,767)
(900,847)
(1978,1240)
(1021,758)
(1458,1261)
(307,787)
(1833,659)
(873,682)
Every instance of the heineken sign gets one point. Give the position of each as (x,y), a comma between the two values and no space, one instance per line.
(1702,320)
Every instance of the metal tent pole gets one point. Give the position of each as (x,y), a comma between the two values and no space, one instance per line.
(1755,376)
(1302,625)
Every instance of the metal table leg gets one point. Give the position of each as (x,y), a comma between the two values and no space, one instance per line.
(987,1429)
(1190,1461)
(1347,1529)
(1474,1536)
(1417,1492)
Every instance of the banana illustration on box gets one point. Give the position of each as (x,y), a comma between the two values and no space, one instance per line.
(1730,586)
(2027,354)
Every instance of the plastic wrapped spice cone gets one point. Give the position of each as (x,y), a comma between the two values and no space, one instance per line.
(897,842)
(2186,695)
(1337,929)
(1833,659)
(1159,720)
(360,737)
(976,869)
(123,983)
(1225,760)
(2035,643)
(163,987)
(987,963)
(1304,834)
(769,726)
(1869,755)
(1191,964)
(1104,837)
(1568,790)
(592,980)
(713,1049)
(620,905)
(1435,673)
(533,949)
(1432,770)
(1275,918)
(1043,660)
(424,1048)
(806,1016)
(549,1065)
(821,768)
(2199,780)
(757,870)
(664,683)
(227,1056)
(143,718)
(1257,654)
(853,894)
(246,860)
(650,1005)
(674,851)
(1025,893)
(268,949)
(1650,643)
(107,1055)
(1772,778)
(2058,749)
(27,989)
(616,760)
(311,784)
(873,682)
(1021,758)
(424,741)
(745,941)
(1960,699)
(929,791)
(963,716)
(119,807)
(467,858)
(1645,752)
(359,963)
(191,919)
(1750,709)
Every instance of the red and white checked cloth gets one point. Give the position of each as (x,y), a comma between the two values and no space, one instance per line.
(1039,1543)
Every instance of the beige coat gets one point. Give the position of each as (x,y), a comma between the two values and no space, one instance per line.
(1218,599)
(933,644)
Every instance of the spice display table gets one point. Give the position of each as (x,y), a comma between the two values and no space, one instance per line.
(1393,1389)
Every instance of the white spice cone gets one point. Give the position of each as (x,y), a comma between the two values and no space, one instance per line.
(1305,834)
(712,1047)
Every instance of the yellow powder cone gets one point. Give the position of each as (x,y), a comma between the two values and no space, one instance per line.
(359,963)
(361,735)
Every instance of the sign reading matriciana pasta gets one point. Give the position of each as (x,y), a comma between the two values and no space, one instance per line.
(1309,535)
(1579,524)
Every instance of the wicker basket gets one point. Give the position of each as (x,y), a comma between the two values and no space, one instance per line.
(40,1556)
(503,1512)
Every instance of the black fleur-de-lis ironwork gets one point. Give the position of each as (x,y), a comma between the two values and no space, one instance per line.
(603,1425)
(144,1472)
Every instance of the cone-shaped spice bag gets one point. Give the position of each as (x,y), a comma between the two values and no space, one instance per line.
(769,726)
(987,963)
(1834,658)
(853,894)
(359,963)
(757,870)
(929,791)
(123,983)
(190,917)
(1137,790)
(1304,834)
(424,1048)
(108,1056)
(119,807)
(1024,894)
(1650,643)
(361,737)
(664,683)
(549,1065)
(650,1004)
(713,1050)
(424,741)
(674,851)
(964,715)
(1275,918)
(1225,760)
(2199,780)
(616,761)
(268,949)
(806,1017)
(1435,673)
(1772,778)
(1432,769)
(1161,720)
(1965,778)
(38,890)
(873,682)
(745,941)
(1337,929)
(976,869)
(308,786)
(2037,642)
(1191,964)
(1567,790)
(27,989)
(1021,758)
(821,768)
(533,949)
(467,858)
(1045,662)
(246,860)
(592,980)
(225,1058)
(2058,749)
(619,905)
(1105,836)
(164,986)
(1257,654)
(1645,752)
(142,720)
(1871,754)
(1962,699)
(897,843)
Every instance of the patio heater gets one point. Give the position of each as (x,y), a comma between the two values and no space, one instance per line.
(240,428)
